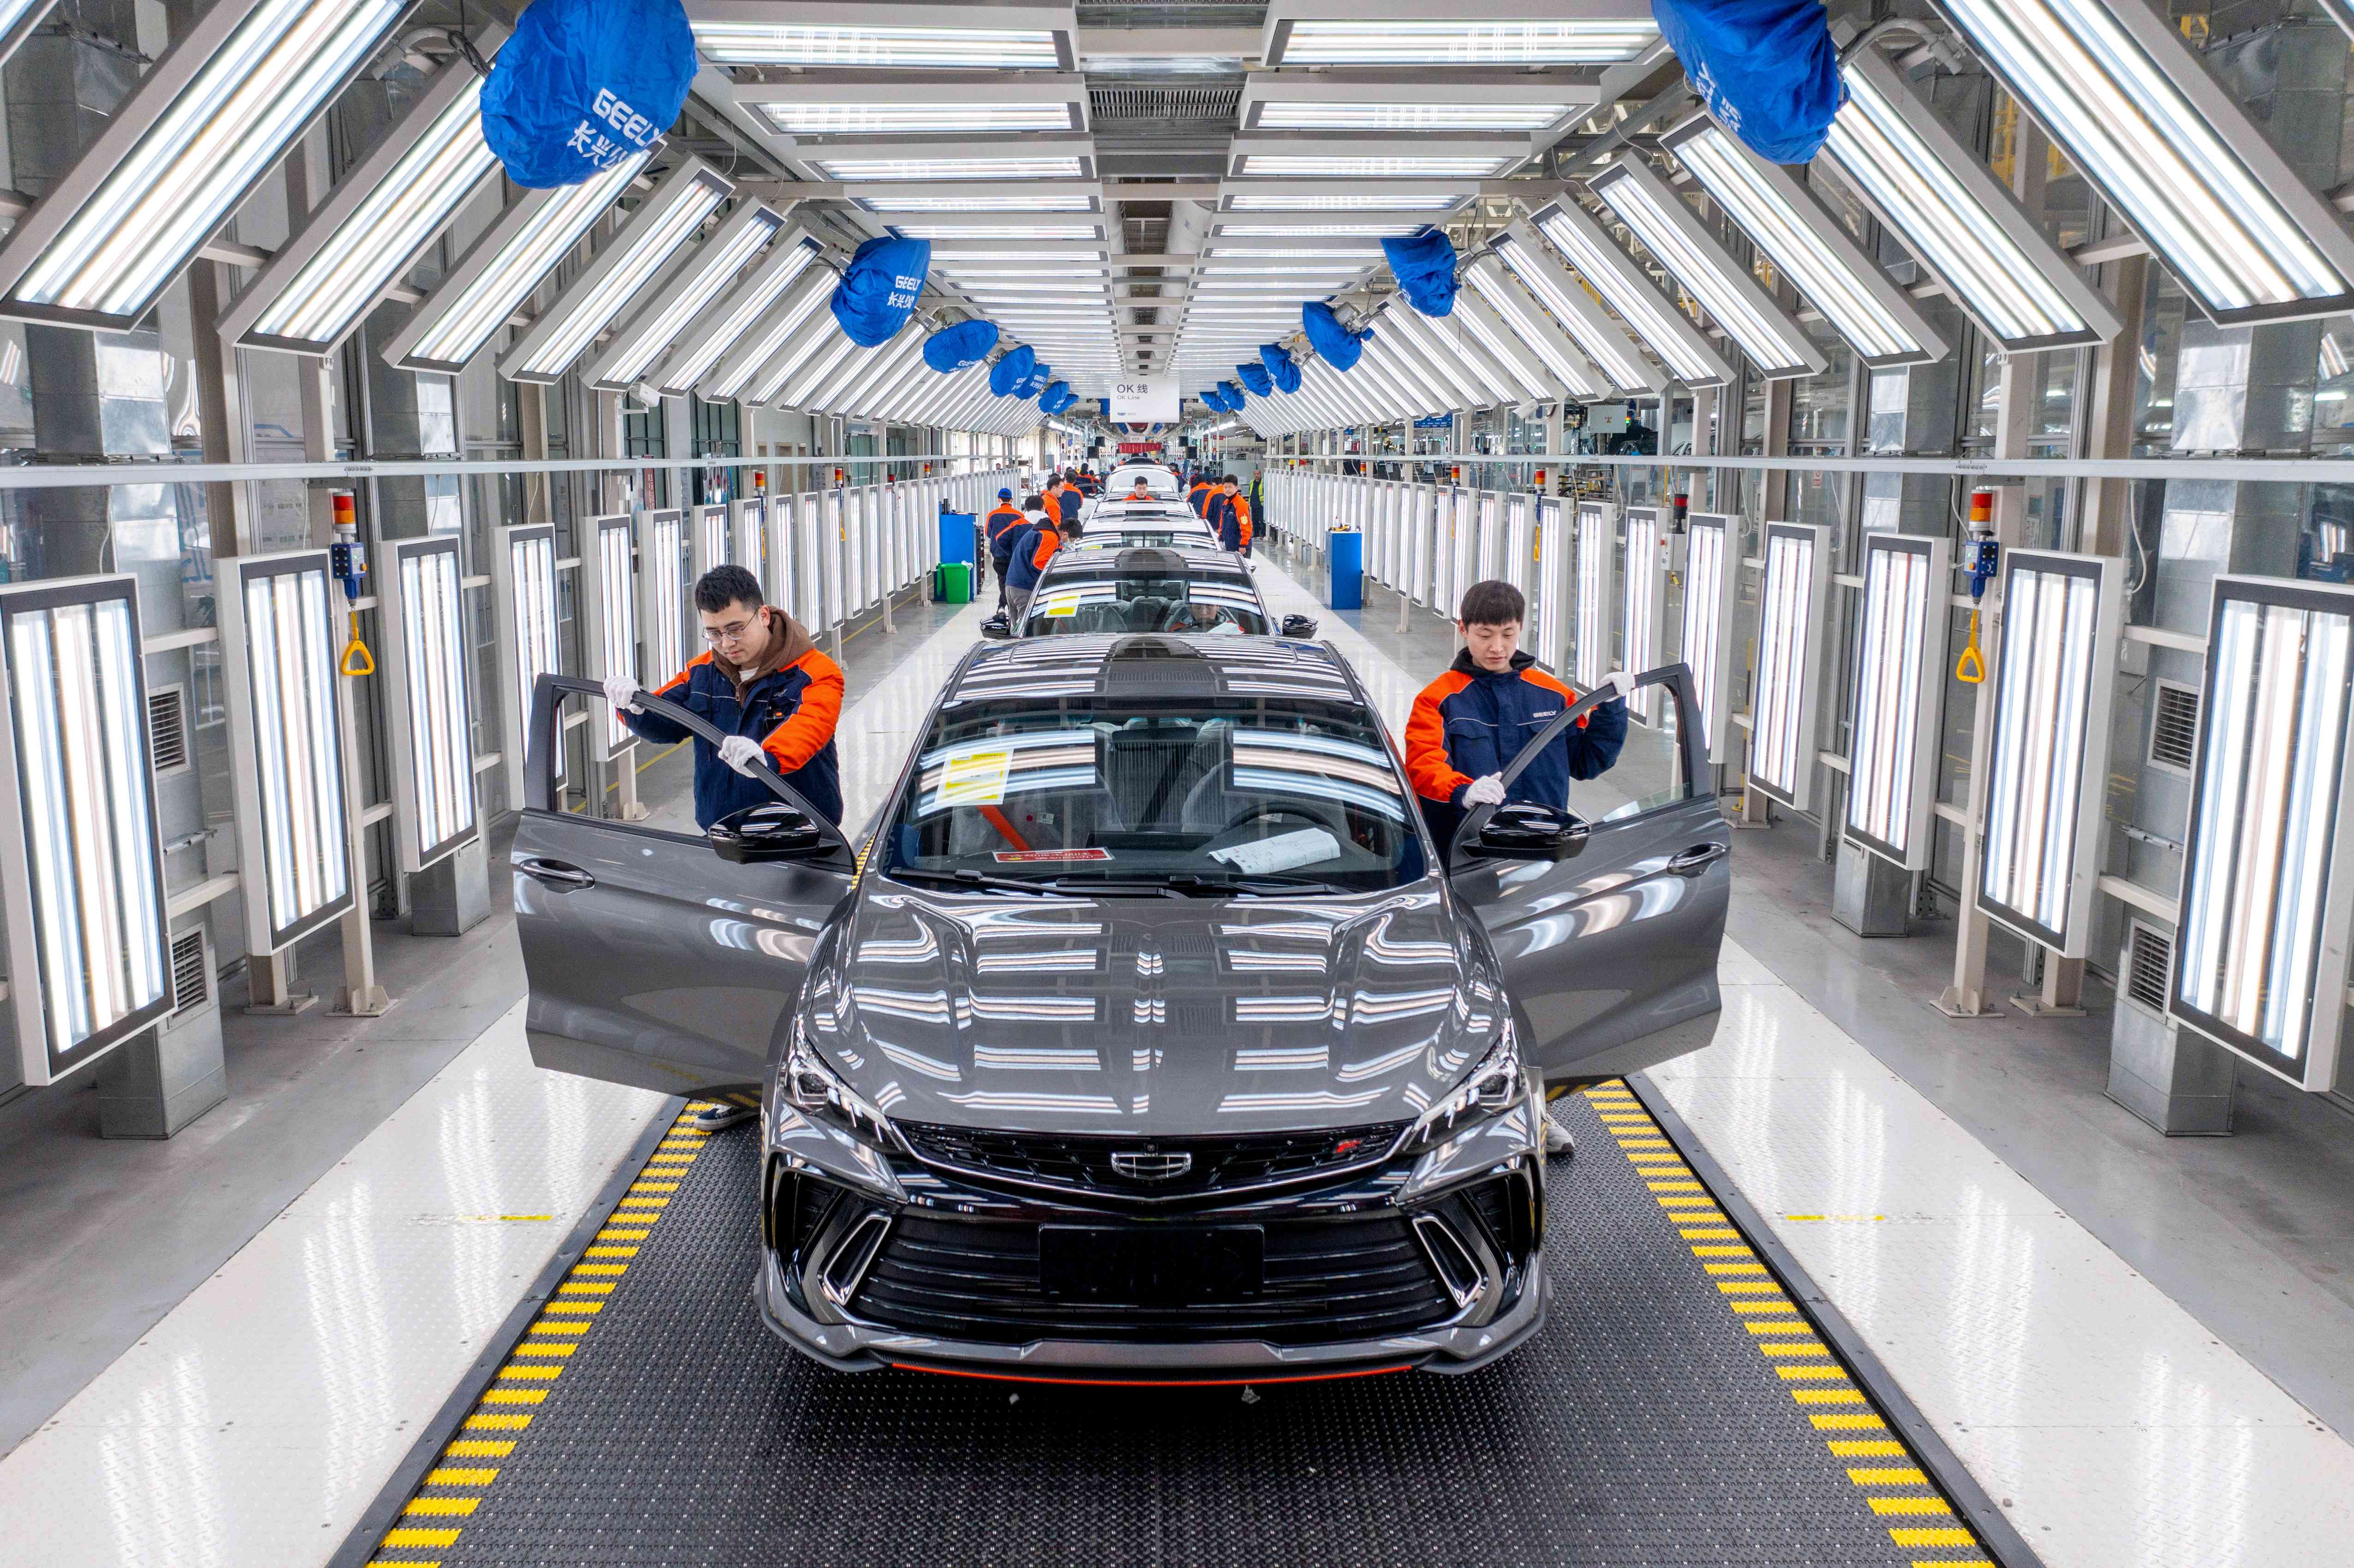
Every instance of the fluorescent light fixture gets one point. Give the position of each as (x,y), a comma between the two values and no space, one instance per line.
(2260,960)
(1899,674)
(682,299)
(426,700)
(666,595)
(1520,543)
(998,201)
(1272,196)
(479,294)
(819,335)
(1658,217)
(1501,315)
(1643,606)
(2139,113)
(1782,693)
(778,549)
(1314,230)
(19,18)
(85,918)
(1503,357)
(661,228)
(1521,117)
(748,526)
(523,604)
(1456,384)
(1596,579)
(1032,231)
(715,540)
(945,168)
(1628,289)
(172,164)
(1255,158)
(813,372)
(1485,102)
(1374,33)
(374,224)
(608,619)
(742,356)
(1574,311)
(278,621)
(1811,247)
(742,314)
(2052,681)
(797,117)
(1416,579)
(888,36)
(1957,219)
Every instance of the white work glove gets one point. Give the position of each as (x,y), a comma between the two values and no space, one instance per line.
(742,753)
(622,692)
(1621,683)
(1488,789)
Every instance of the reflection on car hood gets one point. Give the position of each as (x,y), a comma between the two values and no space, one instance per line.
(1151,1016)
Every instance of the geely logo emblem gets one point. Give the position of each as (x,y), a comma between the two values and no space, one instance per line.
(1151,1165)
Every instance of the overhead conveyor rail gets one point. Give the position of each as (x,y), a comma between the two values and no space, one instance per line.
(1693,1399)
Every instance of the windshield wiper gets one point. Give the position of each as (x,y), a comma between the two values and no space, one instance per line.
(1188,884)
(977,881)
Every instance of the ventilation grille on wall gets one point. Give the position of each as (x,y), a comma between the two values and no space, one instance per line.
(2150,962)
(192,978)
(2173,726)
(168,727)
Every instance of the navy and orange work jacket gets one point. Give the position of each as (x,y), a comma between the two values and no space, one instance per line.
(792,711)
(1471,722)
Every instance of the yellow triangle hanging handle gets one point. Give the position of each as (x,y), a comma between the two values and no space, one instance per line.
(356,659)
(1971,667)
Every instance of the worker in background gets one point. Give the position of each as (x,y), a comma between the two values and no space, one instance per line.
(999,528)
(774,699)
(1246,517)
(1089,486)
(1223,516)
(1034,547)
(1198,498)
(1139,491)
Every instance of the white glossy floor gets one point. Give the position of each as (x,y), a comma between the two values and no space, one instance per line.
(259,1418)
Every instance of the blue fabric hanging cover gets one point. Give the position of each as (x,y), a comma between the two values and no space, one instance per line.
(1216,399)
(1235,399)
(879,288)
(1034,385)
(1280,366)
(1056,398)
(1766,69)
(1337,345)
(1012,370)
(584,84)
(1254,377)
(1423,266)
(959,347)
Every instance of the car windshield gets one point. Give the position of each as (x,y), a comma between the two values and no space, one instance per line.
(1144,601)
(1247,796)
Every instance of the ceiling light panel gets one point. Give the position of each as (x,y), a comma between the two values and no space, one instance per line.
(1957,219)
(374,224)
(1008,201)
(1575,311)
(898,37)
(794,118)
(1724,287)
(1811,247)
(1031,231)
(942,168)
(173,162)
(741,316)
(478,295)
(1372,33)
(1628,289)
(1266,159)
(743,356)
(683,298)
(1512,358)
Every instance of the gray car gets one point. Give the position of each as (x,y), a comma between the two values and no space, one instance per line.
(1201,590)
(1145,1038)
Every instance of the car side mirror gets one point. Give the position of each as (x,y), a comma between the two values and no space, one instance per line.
(1522,831)
(1299,626)
(770,830)
(997,629)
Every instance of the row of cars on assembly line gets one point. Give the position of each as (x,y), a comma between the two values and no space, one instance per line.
(1145,1032)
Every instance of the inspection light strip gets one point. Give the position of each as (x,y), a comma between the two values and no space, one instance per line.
(1407,40)
(1782,694)
(483,290)
(432,720)
(1574,311)
(278,618)
(682,298)
(1769,334)
(1900,668)
(1811,247)
(84,892)
(664,612)
(1597,584)
(713,538)
(19,18)
(747,522)
(608,619)
(1959,220)
(797,117)
(739,34)
(375,223)
(214,115)
(1493,302)
(661,226)
(2052,681)
(947,168)
(742,358)
(2260,961)
(2139,113)
(743,312)
(1631,291)
(1643,610)
(523,593)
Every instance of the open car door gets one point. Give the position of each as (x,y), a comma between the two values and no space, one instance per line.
(1608,919)
(665,959)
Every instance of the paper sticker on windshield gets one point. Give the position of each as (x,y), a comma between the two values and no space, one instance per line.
(1024,858)
(1063,607)
(974,778)
(1285,852)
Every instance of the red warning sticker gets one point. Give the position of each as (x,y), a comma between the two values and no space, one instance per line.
(1006,857)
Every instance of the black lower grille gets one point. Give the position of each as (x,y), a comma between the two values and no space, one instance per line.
(1326,1280)
(1087,1164)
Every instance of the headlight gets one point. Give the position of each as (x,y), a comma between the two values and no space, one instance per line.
(809,1085)
(1495,1086)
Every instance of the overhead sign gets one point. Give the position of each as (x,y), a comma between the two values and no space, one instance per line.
(1142,400)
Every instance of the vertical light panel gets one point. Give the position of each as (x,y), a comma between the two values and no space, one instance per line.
(1900,668)
(433,732)
(784,557)
(1782,694)
(1517,543)
(1490,540)
(713,539)
(278,648)
(1597,592)
(523,597)
(1711,586)
(1447,593)
(666,592)
(2261,959)
(749,521)
(1417,577)
(831,538)
(2051,716)
(1643,611)
(608,618)
(1553,558)
(83,878)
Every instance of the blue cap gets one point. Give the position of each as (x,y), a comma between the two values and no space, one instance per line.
(1004,495)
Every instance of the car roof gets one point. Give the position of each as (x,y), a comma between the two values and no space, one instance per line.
(1147,665)
(1156,561)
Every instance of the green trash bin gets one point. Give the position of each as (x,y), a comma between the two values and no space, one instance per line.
(954,582)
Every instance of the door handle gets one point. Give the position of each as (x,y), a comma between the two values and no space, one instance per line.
(554,873)
(1692,861)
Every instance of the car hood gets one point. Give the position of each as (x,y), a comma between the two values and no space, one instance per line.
(1155,1016)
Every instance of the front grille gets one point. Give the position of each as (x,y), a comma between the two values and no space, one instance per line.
(1084,1164)
(1326,1281)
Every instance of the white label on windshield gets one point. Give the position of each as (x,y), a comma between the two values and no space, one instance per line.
(1308,846)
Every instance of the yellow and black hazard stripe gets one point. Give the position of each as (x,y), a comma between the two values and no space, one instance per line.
(1884,1469)
(470,1462)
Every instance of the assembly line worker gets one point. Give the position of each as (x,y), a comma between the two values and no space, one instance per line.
(1238,507)
(1223,516)
(773,696)
(1032,548)
(1198,498)
(1139,491)
(999,527)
